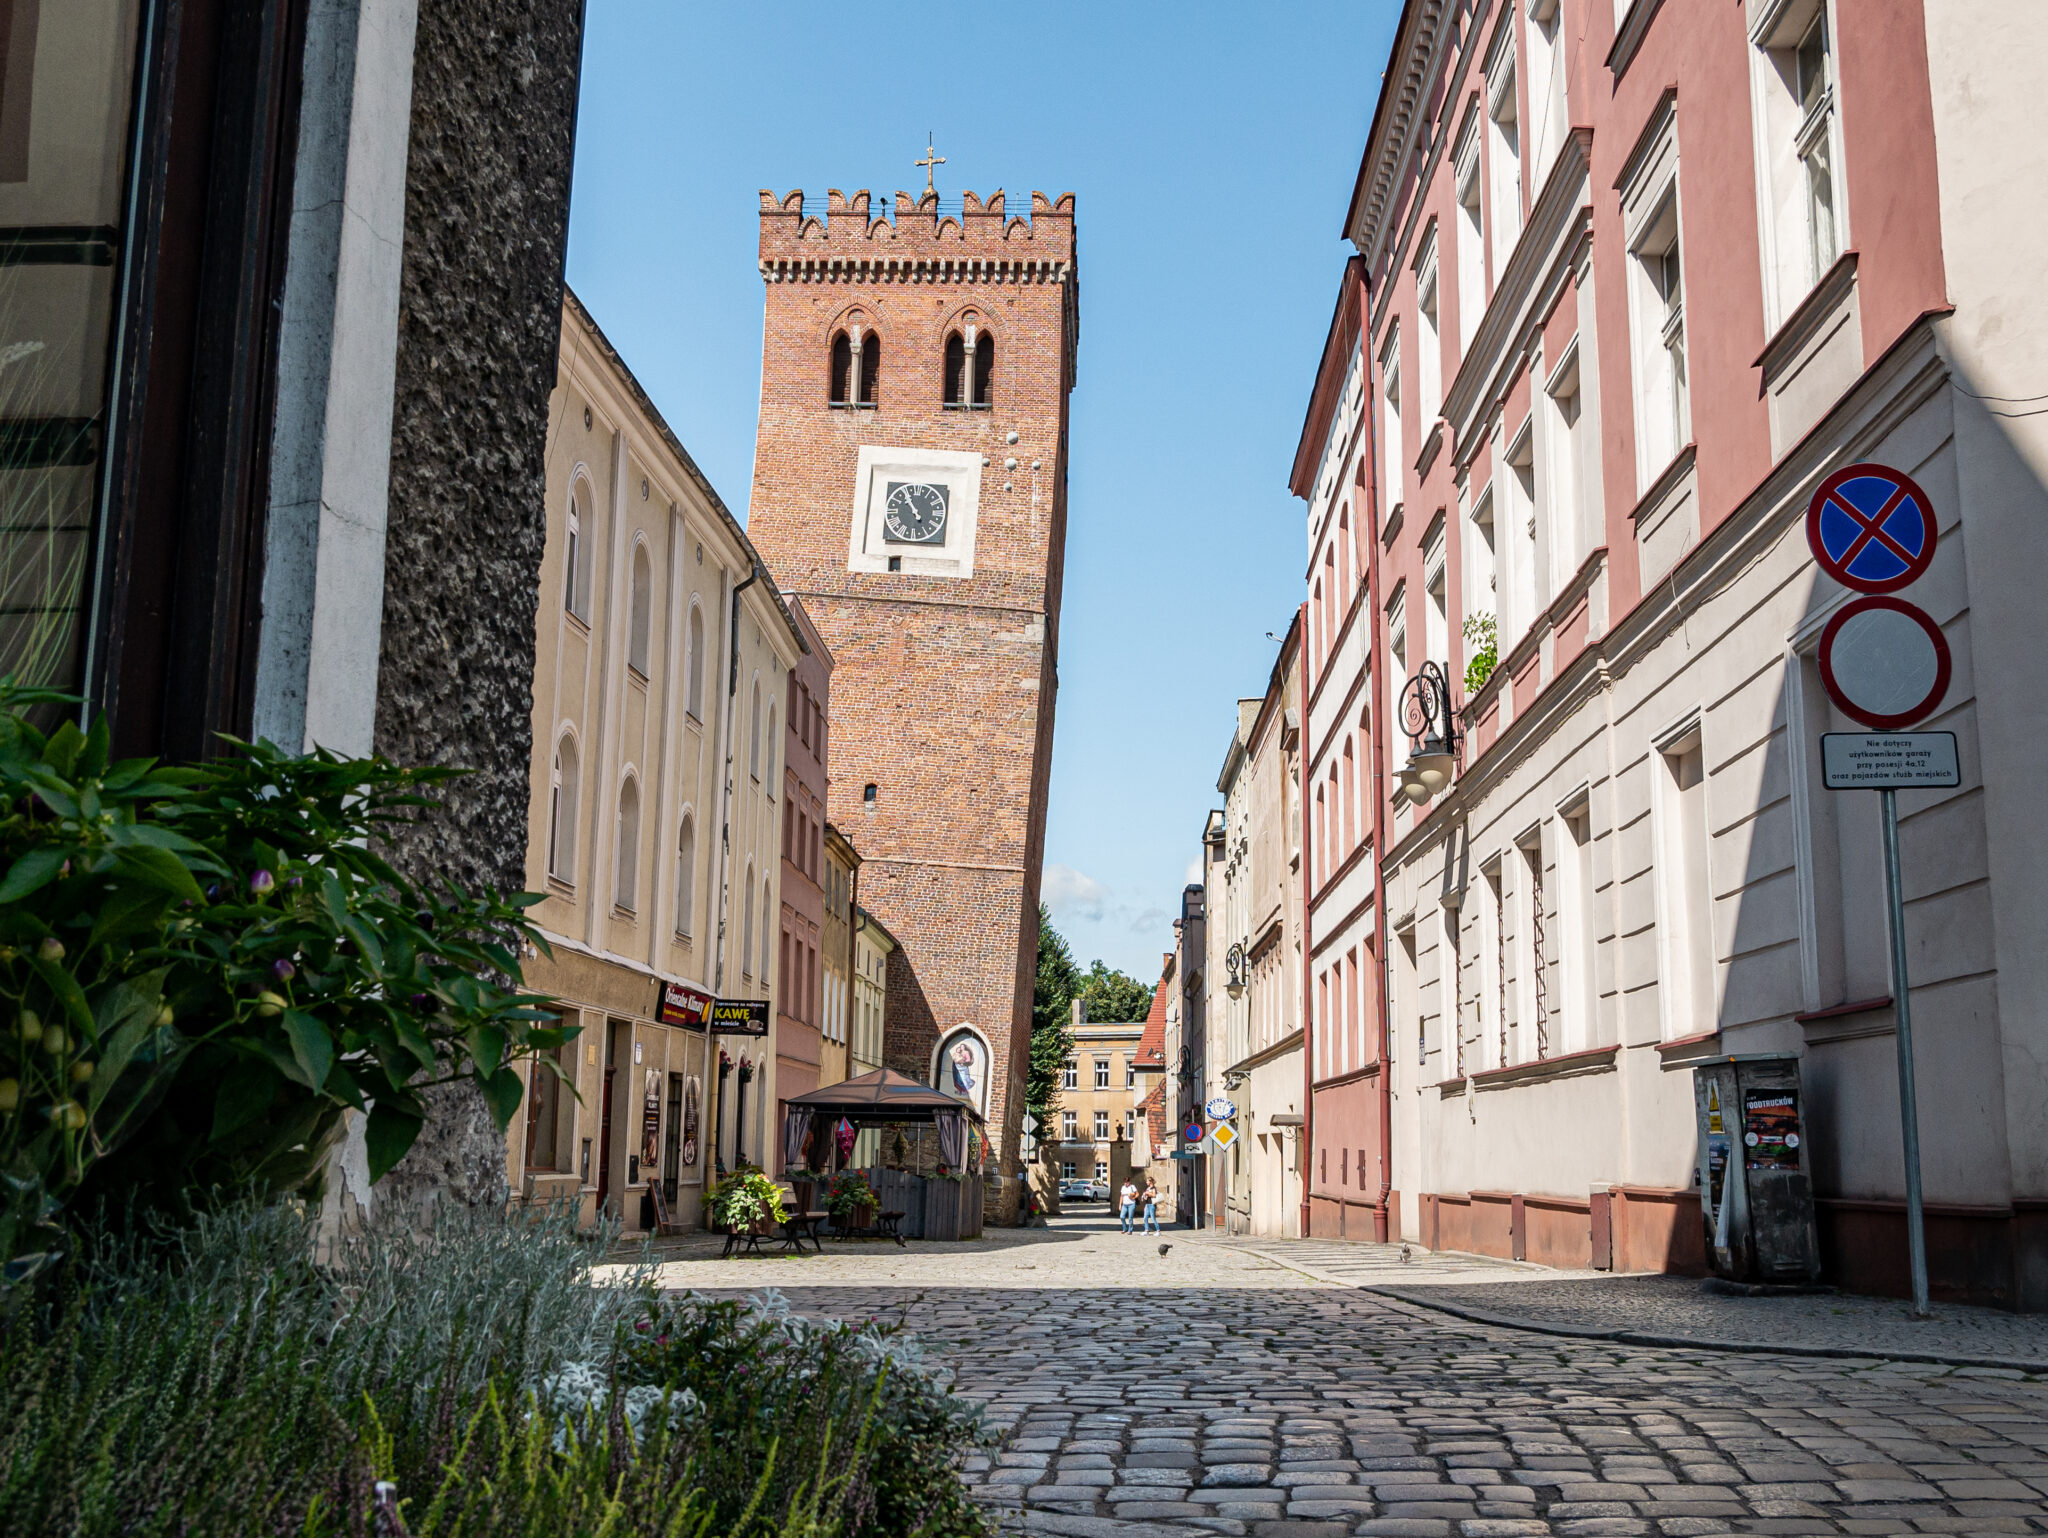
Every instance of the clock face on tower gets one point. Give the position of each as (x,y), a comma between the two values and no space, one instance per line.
(914,513)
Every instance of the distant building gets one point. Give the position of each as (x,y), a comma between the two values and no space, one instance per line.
(837,960)
(1098,1100)
(801,945)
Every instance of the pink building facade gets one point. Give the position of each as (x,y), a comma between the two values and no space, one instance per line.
(1634,276)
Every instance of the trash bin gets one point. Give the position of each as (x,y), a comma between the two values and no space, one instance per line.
(1756,1186)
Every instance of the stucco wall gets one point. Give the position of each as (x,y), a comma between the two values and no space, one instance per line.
(486,229)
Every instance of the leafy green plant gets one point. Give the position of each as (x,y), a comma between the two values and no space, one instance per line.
(851,1193)
(744,1198)
(1483,631)
(203,969)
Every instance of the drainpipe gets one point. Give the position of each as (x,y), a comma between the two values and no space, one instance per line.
(1308,1039)
(1382,1220)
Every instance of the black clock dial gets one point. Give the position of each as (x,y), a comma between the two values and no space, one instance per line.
(914,513)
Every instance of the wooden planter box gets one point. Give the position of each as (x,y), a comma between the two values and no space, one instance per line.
(856,1220)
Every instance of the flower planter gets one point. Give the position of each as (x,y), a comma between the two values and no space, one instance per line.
(857,1219)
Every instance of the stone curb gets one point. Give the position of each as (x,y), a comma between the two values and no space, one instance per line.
(1054,1524)
(1420,1299)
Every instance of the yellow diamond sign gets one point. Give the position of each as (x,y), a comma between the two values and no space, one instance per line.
(1223,1134)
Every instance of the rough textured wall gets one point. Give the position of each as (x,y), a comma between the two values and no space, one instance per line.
(486,229)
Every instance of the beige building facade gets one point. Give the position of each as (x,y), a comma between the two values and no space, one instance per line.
(662,654)
(1099,1094)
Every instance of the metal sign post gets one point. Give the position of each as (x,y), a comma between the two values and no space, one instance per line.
(1902,1016)
(1885,664)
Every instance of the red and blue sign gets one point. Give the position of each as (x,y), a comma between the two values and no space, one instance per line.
(1193,1132)
(1871,528)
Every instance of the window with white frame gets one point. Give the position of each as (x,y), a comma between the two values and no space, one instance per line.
(693,664)
(686,876)
(562,811)
(1489,1014)
(640,618)
(1102,1169)
(1101,1126)
(1529,1037)
(576,558)
(1798,149)
(767,923)
(1397,650)
(1102,1073)
(1575,937)
(1070,1126)
(1518,539)
(1429,345)
(1471,236)
(1482,558)
(747,929)
(1503,149)
(1683,860)
(1546,86)
(1663,407)
(1130,1073)
(1436,617)
(1566,519)
(1070,1075)
(1392,457)
(625,890)
(754,734)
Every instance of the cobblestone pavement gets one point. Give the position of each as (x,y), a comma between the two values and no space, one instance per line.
(1669,1307)
(1234,1395)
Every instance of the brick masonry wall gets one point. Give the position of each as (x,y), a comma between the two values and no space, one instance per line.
(943,689)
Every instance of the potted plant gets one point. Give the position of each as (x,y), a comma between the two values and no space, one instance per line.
(852,1201)
(747,1201)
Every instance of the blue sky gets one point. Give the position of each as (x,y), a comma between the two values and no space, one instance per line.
(1211,151)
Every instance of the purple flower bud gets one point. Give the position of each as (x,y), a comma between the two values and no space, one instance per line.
(213,892)
(296,882)
(283,970)
(262,882)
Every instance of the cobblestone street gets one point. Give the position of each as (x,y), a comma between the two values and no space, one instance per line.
(1214,1389)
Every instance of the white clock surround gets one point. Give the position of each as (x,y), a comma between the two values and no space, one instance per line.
(869,547)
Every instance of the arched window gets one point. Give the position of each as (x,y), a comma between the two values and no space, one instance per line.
(870,367)
(693,663)
(686,874)
(574,560)
(1350,797)
(626,886)
(562,812)
(767,924)
(956,370)
(747,928)
(641,620)
(984,370)
(754,734)
(842,369)
(769,745)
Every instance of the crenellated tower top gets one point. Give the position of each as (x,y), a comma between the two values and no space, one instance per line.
(924,239)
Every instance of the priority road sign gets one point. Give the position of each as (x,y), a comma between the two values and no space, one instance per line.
(1223,1133)
(1871,528)
(1884,662)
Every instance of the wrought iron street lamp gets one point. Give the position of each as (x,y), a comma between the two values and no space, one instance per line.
(1234,963)
(1432,734)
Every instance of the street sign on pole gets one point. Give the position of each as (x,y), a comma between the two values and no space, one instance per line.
(1884,662)
(1221,1109)
(1223,1133)
(1889,761)
(1871,528)
(1193,1132)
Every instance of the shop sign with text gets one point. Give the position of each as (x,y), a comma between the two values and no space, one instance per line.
(739,1017)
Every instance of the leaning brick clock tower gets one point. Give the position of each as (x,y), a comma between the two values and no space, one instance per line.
(910,485)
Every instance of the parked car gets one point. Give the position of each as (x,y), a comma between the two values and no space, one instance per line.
(1077,1190)
(1098,1190)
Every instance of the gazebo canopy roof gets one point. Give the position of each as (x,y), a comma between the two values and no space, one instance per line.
(881,1097)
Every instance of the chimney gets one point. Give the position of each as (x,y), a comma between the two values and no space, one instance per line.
(1080,1008)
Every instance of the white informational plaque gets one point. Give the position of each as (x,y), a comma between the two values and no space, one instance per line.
(1889,760)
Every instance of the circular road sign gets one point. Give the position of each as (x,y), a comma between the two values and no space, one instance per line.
(1885,662)
(1193,1132)
(1871,528)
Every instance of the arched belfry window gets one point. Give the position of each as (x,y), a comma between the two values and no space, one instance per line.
(842,369)
(956,368)
(984,370)
(870,367)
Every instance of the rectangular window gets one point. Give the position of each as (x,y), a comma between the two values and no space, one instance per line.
(1101,1126)
(1070,1125)
(1684,856)
(1657,314)
(1471,225)
(1525,594)
(1070,1075)
(1067,1170)
(1429,347)
(1504,150)
(1393,457)
(1565,520)
(1102,1169)
(1130,1072)
(1490,1014)
(1546,86)
(1576,997)
(1529,1036)
(1482,554)
(1102,1073)
(1436,608)
(1792,85)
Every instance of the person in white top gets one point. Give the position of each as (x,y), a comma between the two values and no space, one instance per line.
(1127,1199)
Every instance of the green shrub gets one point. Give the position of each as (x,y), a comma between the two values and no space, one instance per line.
(746,1197)
(202,969)
(850,1193)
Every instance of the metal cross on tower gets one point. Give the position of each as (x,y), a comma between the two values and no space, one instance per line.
(931,158)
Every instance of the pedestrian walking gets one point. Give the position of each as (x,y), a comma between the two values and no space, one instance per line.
(1151,1201)
(1127,1202)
